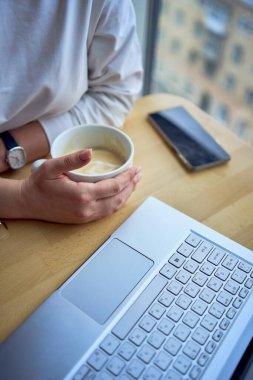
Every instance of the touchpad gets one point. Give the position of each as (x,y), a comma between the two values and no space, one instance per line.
(100,287)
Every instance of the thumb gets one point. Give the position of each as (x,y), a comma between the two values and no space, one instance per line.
(60,165)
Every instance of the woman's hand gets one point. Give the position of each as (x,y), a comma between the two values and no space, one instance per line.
(49,194)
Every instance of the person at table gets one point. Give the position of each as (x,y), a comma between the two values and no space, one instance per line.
(64,63)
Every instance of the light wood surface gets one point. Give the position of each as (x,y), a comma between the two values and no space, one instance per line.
(37,257)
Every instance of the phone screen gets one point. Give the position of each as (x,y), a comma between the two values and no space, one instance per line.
(191,142)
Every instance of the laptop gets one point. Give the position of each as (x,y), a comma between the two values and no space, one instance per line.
(165,297)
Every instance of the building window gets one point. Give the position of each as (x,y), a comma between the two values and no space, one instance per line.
(245,24)
(205,102)
(179,17)
(193,55)
(249,97)
(222,113)
(237,54)
(197,29)
(229,82)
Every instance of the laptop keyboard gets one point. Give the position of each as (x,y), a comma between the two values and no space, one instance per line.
(176,325)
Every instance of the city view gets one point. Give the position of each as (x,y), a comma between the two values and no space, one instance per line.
(204,52)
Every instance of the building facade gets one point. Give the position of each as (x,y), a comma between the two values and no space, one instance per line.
(204,52)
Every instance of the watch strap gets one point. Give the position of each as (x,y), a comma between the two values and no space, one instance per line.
(8,140)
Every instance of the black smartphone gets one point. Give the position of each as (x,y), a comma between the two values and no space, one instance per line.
(195,147)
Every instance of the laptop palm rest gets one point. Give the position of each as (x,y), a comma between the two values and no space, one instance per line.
(103,284)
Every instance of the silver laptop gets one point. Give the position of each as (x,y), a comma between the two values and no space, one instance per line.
(165,297)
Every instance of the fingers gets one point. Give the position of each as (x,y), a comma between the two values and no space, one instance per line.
(60,165)
(111,187)
(106,206)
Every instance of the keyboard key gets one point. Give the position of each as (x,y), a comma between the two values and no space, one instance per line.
(245,267)
(102,376)
(135,368)
(229,262)
(157,310)
(156,339)
(193,240)
(82,372)
(224,298)
(182,332)
(172,375)
(200,335)
(217,335)
(191,349)
(249,283)
(210,347)
(231,286)
(216,256)
(152,374)
(185,249)
(199,307)
(177,260)
(183,276)
(137,336)
(183,301)
(195,373)
(182,364)
(207,295)
(115,365)
(123,327)
(109,344)
(217,310)
(207,268)
(165,326)
(222,273)
(191,266)
(231,313)
(214,284)
(146,353)
(202,251)
(200,278)
(175,287)
(126,351)
(175,313)
(147,323)
(244,292)
(192,290)
(163,360)
(239,276)
(224,324)
(166,298)
(172,346)
(168,271)
(203,359)
(97,360)
(237,303)
(190,319)
(208,322)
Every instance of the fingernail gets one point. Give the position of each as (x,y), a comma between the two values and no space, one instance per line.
(138,177)
(85,155)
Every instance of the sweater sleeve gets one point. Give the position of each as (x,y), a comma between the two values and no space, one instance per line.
(114,72)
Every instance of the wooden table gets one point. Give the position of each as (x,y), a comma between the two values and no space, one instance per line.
(37,256)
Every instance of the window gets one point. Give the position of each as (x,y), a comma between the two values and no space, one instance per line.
(245,24)
(207,52)
(222,113)
(237,54)
(249,97)
(229,82)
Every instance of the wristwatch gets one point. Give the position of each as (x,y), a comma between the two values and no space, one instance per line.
(16,156)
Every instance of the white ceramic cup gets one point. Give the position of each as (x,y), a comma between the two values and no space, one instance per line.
(93,136)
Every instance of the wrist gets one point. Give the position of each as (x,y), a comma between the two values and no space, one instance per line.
(3,164)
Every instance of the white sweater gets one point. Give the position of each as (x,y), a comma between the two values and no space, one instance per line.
(67,62)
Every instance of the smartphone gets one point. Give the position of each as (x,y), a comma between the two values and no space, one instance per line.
(194,146)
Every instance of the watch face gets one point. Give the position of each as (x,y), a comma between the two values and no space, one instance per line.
(16,157)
